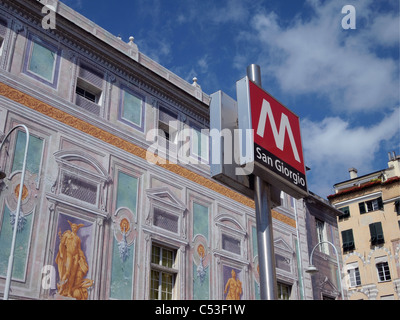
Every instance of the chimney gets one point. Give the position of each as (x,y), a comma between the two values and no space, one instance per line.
(353,173)
(394,164)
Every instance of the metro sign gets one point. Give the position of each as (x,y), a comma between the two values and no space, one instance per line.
(277,149)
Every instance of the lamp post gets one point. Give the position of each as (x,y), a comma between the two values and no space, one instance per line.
(21,186)
(313,269)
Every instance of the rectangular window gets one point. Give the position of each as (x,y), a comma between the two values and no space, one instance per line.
(348,240)
(371,205)
(282,263)
(89,89)
(79,188)
(42,60)
(321,236)
(376,233)
(131,109)
(168,129)
(287,201)
(383,271)
(230,244)
(165,220)
(162,273)
(85,93)
(168,122)
(3,31)
(87,96)
(283,291)
(354,274)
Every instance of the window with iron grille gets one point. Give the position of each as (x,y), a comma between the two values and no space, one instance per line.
(165,220)
(231,244)
(79,188)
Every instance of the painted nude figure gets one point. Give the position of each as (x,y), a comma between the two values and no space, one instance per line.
(233,287)
(72,265)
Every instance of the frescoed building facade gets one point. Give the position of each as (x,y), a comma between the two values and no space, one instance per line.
(99,220)
(323,240)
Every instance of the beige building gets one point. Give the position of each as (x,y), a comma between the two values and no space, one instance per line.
(370,232)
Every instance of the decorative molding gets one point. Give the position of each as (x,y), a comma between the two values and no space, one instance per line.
(134,73)
(107,137)
(283,218)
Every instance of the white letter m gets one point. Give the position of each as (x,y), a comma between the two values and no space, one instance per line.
(278,136)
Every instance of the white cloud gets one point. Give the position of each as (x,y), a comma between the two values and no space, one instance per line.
(203,64)
(355,71)
(332,145)
(317,56)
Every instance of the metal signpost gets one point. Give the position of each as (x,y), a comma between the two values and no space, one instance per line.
(270,144)
(265,237)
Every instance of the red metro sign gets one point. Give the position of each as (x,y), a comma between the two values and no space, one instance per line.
(278,152)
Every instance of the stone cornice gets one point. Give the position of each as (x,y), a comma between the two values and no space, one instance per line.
(116,57)
(116,141)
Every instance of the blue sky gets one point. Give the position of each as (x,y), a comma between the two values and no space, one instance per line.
(343,84)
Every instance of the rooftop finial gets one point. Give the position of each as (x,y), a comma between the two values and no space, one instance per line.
(131,38)
(195,84)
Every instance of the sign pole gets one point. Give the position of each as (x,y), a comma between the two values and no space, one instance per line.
(265,239)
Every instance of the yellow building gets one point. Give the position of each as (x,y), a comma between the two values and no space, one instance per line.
(370,232)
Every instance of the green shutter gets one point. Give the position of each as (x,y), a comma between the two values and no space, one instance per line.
(348,240)
(380,203)
(376,233)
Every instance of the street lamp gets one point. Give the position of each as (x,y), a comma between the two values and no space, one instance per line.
(21,186)
(313,269)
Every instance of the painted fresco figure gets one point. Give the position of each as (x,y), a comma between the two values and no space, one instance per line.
(72,265)
(233,287)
